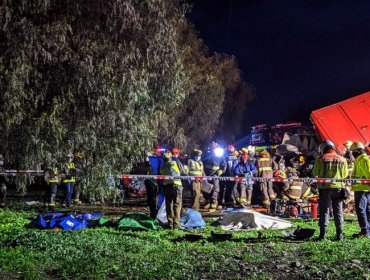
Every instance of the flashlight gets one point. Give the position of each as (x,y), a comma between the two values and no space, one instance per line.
(219,152)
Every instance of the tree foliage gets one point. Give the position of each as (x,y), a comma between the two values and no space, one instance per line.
(105,77)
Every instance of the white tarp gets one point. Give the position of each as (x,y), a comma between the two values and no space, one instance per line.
(244,219)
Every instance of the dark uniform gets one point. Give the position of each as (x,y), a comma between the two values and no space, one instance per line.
(173,193)
(295,190)
(69,182)
(249,170)
(227,187)
(213,167)
(266,167)
(152,185)
(53,181)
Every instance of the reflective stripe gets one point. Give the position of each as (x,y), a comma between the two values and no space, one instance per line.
(264,159)
(54,180)
(196,173)
(268,168)
(293,196)
(295,187)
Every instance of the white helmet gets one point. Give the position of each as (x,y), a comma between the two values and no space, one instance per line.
(326,144)
(357,146)
(70,155)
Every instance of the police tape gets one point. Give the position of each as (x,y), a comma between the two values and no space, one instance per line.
(245,179)
(250,180)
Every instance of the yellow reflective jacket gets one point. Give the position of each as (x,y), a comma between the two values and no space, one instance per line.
(361,170)
(195,168)
(70,173)
(171,168)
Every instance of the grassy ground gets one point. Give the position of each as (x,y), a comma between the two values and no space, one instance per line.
(106,253)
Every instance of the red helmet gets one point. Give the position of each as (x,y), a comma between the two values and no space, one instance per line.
(175,151)
(158,150)
(230,148)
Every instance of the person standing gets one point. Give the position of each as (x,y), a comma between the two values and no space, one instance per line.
(195,166)
(330,165)
(154,164)
(3,183)
(172,191)
(244,168)
(69,180)
(266,167)
(53,181)
(361,170)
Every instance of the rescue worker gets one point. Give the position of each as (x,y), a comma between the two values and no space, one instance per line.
(76,189)
(330,165)
(195,166)
(53,181)
(349,156)
(229,163)
(172,191)
(266,167)
(295,189)
(69,180)
(176,157)
(246,169)
(3,183)
(154,163)
(362,191)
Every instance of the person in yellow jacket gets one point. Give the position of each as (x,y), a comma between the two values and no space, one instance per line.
(53,181)
(69,180)
(361,170)
(196,168)
(330,165)
(172,191)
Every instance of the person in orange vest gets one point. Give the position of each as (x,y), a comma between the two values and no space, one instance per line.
(266,167)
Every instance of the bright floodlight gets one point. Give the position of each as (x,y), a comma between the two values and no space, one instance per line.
(219,152)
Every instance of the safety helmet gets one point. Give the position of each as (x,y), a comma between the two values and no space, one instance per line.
(357,146)
(167,154)
(230,148)
(70,155)
(327,144)
(197,152)
(244,150)
(158,150)
(264,153)
(175,151)
(348,144)
(301,159)
(235,153)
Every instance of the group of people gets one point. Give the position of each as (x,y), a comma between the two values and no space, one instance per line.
(245,163)
(54,177)
(216,192)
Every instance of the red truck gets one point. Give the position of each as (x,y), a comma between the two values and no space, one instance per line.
(343,121)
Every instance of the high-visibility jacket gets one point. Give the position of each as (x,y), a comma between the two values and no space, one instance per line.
(266,167)
(171,168)
(53,176)
(195,168)
(361,170)
(214,166)
(331,165)
(70,173)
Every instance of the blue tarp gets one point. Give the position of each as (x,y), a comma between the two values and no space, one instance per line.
(192,219)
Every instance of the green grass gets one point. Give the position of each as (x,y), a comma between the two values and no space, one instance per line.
(106,253)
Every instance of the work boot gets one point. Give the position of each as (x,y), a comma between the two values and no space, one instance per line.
(243,201)
(339,237)
(321,237)
(361,235)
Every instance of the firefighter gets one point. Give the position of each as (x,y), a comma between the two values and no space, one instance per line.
(154,163)
(3,183)
(349,156)
(295,189)
(195,166)
(69,180)
(229,164)
(213,166)
(266,166)
(53,181)
(330,165)
(362,191)
(247,169)
(172,191)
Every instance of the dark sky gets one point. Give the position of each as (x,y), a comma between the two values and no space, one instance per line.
(296,53)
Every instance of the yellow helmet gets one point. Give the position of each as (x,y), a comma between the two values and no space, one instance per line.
(197,152)
(348,144)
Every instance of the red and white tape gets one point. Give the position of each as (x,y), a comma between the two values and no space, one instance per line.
(245,179)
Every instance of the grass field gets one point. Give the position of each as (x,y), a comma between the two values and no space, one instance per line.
(106,253)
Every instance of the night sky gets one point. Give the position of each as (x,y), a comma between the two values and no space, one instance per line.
(300,55)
